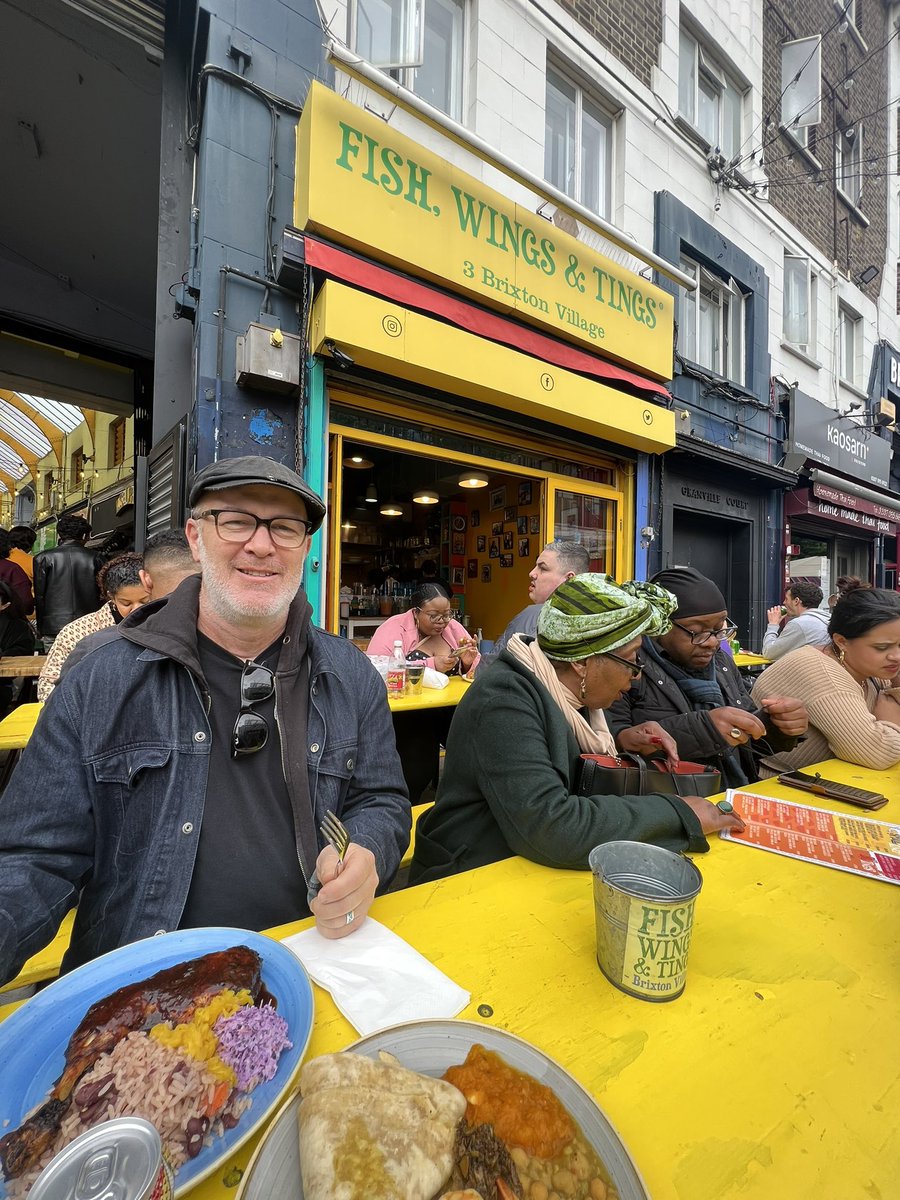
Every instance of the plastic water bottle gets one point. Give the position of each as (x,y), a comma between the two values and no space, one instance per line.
(396,672)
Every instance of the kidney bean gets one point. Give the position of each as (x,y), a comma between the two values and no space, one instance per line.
(89,1093)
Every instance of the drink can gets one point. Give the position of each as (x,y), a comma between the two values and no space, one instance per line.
(120,1159)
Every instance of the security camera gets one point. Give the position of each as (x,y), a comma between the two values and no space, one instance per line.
(648,533)
(341,358)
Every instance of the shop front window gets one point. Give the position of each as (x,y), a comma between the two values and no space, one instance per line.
(588,521)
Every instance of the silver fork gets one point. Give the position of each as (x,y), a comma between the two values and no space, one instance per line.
(335,832)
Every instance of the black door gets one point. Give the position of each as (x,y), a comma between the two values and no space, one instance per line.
(721,550)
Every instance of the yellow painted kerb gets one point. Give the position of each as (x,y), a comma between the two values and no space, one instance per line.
(396,341)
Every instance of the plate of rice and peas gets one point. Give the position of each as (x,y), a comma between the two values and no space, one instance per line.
(440,1110)
(201,1032)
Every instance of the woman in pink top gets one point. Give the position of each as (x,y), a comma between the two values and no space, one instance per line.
(429,628)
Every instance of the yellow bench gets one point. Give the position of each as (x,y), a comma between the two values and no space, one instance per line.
(417,811)
(45,964)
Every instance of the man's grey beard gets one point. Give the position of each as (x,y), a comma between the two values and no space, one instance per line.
(222,602)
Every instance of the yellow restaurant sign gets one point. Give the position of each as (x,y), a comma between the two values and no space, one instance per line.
(364,184)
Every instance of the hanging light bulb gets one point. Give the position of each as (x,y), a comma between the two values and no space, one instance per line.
(391,509)
(473,479)
(426,496)
(358,462)
(371,494)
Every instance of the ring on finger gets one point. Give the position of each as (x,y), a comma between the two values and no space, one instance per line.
(736,733)
(725,806)
(351,917)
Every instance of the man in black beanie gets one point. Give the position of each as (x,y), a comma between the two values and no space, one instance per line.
(694,690)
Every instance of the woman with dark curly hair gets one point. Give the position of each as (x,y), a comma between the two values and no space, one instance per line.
(850,687)
(123,591)
(13,575)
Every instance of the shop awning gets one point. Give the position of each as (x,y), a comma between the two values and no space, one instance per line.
(387,337)
(392,285)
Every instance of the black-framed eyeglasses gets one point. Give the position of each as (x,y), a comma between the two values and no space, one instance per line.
(702,636)
(251,729)
(635,667)
(234,525)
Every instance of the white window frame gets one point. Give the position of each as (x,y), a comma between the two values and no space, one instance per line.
(727,349)
(850,332)
(699,74)
(410,55)
(799,328)
(586,105)
(848,163)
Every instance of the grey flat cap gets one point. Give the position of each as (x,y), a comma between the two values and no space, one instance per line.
(250,469)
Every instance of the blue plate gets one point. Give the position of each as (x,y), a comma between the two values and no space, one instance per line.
(33,1040)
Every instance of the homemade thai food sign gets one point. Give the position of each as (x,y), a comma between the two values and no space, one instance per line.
(362,183)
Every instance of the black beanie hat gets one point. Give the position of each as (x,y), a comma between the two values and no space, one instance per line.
(696,594)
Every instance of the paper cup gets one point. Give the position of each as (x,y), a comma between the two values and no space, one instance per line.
(644,905)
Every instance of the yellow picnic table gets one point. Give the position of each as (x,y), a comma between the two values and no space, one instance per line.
(745,658)
(776,1073)
(446,697)
(17,727)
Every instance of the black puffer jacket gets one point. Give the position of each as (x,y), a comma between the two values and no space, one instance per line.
(657,697)
(65,586)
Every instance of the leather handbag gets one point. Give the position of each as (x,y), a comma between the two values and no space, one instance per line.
(632,775)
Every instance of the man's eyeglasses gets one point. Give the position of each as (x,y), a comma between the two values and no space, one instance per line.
(703,636)
(233,525)
(438,618)
(635,667)
(251,729)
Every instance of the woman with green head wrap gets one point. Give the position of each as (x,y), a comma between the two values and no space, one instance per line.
(513,753)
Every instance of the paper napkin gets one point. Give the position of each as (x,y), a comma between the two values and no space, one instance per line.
(376,978)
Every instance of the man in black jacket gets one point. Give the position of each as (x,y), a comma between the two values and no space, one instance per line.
(65,580)
(694,690)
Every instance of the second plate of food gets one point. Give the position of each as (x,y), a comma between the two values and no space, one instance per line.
(431,1047)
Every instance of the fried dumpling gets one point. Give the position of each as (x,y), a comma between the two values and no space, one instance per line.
(374,1130)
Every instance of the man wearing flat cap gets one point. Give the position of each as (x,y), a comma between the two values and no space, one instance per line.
(695,692)
(179,775)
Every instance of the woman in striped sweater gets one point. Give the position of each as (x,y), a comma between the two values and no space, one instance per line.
(851,687)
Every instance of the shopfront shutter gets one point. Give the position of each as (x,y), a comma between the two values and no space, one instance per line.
(141,20)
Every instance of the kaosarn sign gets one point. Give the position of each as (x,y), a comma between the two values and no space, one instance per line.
(366,185)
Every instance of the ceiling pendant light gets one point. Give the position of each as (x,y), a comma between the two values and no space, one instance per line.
(358,462)
(426,496)
(371,494)
(473,479)
(391,509)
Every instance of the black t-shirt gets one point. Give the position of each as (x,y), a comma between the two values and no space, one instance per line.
(247,872)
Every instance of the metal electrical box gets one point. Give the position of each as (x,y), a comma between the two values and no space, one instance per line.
(269,359)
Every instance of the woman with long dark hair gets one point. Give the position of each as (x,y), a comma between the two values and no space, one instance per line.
(851,687)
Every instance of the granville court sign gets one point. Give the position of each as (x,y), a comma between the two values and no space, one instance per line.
(820,435)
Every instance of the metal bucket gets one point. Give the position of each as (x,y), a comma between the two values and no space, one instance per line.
(644,904)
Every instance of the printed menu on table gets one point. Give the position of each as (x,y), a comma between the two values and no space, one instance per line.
(860,845)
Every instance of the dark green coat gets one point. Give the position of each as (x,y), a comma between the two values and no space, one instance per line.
(507,788)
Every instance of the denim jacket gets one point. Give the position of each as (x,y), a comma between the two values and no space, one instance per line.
(108,797)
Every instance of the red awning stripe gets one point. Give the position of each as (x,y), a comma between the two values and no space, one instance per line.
(339,264)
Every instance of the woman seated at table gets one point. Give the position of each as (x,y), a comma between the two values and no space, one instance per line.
(851,687)
(513,755)
(121,586)
(428,631)
(16,638)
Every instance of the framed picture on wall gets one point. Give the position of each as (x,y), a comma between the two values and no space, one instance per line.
(524,548)
(481,543)
(458,576)
(506,560)
(498,498)
(509,514)
(458,544)
(525,492)
(475,518)
(522,525)
(495,548)
(485,572)
(496,527)
(508,538)
(534,523)
(472,568)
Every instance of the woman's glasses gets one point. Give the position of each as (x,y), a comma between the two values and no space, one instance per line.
(635,667)
(703,636)
(251,729)
(438,618)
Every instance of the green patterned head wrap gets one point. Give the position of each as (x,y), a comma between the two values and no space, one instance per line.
(592,614)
